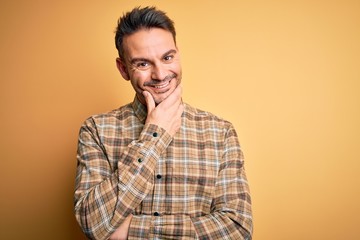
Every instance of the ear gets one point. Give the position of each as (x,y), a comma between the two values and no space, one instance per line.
(121,66)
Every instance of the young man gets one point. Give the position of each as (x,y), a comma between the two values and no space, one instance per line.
(158,168)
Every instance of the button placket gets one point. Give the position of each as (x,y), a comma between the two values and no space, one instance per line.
(159,188)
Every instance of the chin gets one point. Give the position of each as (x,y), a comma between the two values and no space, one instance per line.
(158,100)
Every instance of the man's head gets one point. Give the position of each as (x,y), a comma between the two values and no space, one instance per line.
(148,55)
(140,19)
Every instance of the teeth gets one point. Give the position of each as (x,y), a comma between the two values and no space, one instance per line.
(162,85)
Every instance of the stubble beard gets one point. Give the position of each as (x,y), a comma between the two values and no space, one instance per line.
(169,78)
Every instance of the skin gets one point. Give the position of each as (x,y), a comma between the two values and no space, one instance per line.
(152,65)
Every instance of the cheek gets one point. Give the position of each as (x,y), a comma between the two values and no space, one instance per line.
(138,78)
(176,67)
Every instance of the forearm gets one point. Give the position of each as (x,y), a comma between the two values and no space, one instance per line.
(228,217)
(104,197)
(161,227)
(105,206)
(217,225)
(228,224)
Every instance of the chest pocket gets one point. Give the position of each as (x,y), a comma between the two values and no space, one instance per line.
(191,184)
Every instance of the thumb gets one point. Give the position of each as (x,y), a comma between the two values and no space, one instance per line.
(150,103)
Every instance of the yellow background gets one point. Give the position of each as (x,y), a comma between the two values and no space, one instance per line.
(286,73)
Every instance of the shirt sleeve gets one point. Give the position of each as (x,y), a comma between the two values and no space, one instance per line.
(104,196)
(231,214)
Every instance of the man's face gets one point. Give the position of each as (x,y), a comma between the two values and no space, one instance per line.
(151,63)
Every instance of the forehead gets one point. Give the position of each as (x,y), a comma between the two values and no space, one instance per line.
(148,43)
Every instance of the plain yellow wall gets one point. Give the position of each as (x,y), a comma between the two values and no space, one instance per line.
(286,73)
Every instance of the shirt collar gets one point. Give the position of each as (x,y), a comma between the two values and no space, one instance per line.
(139,109)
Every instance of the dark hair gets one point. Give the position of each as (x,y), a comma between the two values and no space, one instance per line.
(140,18)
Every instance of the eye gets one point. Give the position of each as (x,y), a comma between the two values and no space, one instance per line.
(168,58)
(142,65)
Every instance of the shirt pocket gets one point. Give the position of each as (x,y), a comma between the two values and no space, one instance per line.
(192,186)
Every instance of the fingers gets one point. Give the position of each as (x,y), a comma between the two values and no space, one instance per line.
(166,114)
(150,103)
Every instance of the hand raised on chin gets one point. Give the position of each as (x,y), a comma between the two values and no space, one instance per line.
(166,114)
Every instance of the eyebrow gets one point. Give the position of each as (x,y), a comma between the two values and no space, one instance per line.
(171,51)
(134,60)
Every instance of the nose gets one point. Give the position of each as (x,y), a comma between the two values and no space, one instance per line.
(159,72)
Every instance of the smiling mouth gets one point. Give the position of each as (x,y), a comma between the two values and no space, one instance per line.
(163,85)
(160,86)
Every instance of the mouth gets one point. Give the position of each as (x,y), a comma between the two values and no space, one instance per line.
(162,85)
(159,87)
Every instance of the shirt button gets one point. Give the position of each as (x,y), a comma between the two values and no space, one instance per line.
(140,160)
(158,176)
(155,134)
(156,214)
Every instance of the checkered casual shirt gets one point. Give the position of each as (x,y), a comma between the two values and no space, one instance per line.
(191,186)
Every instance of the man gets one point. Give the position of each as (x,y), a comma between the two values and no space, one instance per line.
(158,168)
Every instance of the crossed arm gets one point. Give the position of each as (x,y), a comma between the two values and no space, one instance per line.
(104,203)
(105,199)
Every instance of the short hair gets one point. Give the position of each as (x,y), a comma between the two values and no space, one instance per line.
(141,18)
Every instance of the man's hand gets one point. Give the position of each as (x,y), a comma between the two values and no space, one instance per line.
(168,113)
(122,232)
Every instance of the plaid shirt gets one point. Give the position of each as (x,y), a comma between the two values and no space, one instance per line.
(191,186)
